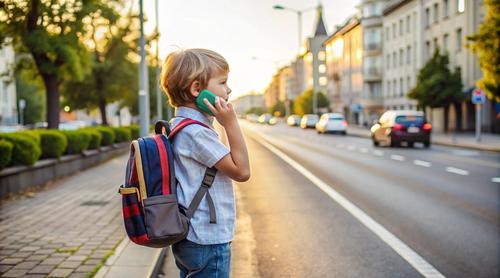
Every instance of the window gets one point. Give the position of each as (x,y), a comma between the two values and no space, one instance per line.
(372,9)
(446,8)
(408,22)
(408,54)
(372,38)
(388,61)
(321,55)
(400,27)
(427,17)
(408,85)
(323,81)
(395,87)
(387,34)
(459,39)
(460,6)
(401,54)
(394,60)
(322,68)
(394,30)
(445,42)
(436,12)
(401,86)
(427,49)
(436,45)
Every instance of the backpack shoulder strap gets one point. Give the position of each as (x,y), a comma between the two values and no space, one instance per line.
(207,181)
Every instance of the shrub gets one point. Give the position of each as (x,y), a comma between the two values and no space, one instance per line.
(108,136)
(122,134)
(134,131)
(30,134)
(95,138)
(5,153)
(25,151)
(78,141)
(53,143)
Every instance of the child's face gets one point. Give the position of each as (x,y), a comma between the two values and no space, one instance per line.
(218,85)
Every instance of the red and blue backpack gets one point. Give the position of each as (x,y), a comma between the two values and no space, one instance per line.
(151,213)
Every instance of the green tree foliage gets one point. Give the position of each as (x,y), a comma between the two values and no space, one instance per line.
(436,85)
(30,88)
(256,110)
(278,107)
(303,104)
(113,75)
(51,31)
(486,43)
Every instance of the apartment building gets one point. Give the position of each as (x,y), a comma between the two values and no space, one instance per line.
(8,103)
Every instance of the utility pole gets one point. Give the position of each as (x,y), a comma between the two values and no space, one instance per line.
(143,84)
(159,114)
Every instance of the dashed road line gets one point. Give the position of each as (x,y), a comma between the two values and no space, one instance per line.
(422,163)
(397,157)
(378,153)
(363,150)
(408,254)
(351,147)
(496,179)
(457,171)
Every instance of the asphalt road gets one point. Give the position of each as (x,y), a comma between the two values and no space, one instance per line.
(441,203)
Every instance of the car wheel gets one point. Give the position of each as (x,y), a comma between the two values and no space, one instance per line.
(410,144)
(375,142)
(427,144)
(394,143)
(344,133)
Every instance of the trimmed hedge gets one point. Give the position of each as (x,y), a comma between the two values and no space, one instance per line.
(134,131)
(26,151)
(122,134)
(108,136)
(30,134)
(78,141)
(5,153)
(53,143)
(95,138)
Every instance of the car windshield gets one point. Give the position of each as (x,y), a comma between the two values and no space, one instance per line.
(336,118)
(410,120)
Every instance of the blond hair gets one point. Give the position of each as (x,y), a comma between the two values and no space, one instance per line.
(181,68)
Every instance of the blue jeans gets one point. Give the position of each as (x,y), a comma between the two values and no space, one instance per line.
(195,260)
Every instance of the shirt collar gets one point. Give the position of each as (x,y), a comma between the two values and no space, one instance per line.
(187,112)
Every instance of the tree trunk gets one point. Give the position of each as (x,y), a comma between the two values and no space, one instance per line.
(458,110)
(52,100)
(446,117)
(102,109)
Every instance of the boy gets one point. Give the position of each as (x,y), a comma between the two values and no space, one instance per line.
(206,252)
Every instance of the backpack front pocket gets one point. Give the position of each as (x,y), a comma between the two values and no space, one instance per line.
(163,218)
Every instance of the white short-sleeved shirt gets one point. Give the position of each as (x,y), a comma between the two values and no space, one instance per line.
(196,148)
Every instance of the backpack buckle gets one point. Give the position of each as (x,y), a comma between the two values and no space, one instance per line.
(208,180)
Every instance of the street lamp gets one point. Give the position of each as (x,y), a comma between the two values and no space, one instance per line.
(143,84)
(299,17)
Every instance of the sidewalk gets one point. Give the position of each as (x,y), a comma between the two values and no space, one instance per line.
(71,229)
(489,141)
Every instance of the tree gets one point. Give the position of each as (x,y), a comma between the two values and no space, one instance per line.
(303,103)
(278,107)
(113,75)
(486,44)
(437,86)
(51,32)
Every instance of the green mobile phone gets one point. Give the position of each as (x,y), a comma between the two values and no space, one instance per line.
(205,94)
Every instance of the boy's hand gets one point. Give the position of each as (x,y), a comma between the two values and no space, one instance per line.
(223,111)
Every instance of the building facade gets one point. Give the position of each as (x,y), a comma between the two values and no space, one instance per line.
(245,102)
(8,102)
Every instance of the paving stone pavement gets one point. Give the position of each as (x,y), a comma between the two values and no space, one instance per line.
(65,231)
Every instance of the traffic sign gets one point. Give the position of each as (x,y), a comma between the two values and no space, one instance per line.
(478,96)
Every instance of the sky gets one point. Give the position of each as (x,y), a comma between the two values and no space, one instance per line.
(252,36)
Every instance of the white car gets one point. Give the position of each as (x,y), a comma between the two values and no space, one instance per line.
(309,121)
(332,122)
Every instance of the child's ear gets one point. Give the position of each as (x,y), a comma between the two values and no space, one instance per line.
(195,88)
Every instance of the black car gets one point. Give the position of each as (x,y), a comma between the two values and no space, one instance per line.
(395,127)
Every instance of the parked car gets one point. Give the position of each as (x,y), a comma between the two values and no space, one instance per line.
(309,121)
(265,118)
(332,122)
(293,120)
(395,127)
(253,118)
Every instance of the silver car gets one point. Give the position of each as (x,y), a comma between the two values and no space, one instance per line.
(332,122)
(309,121)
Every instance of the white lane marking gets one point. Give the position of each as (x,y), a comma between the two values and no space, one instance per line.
(422,163)
(496,179)
(363,150)
(397,157)
(414,259)
(457,171)
(351,147)
(378,153)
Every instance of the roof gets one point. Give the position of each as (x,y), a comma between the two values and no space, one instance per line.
(320,29)
(394,5)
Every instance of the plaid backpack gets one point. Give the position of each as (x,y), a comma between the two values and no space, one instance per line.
(151,213)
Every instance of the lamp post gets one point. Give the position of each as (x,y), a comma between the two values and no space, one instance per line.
(143,84)
(299,20)
(159,115)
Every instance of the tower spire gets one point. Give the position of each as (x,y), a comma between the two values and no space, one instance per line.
(320,29)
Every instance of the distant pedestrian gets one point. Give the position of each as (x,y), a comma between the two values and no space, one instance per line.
(206,252)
